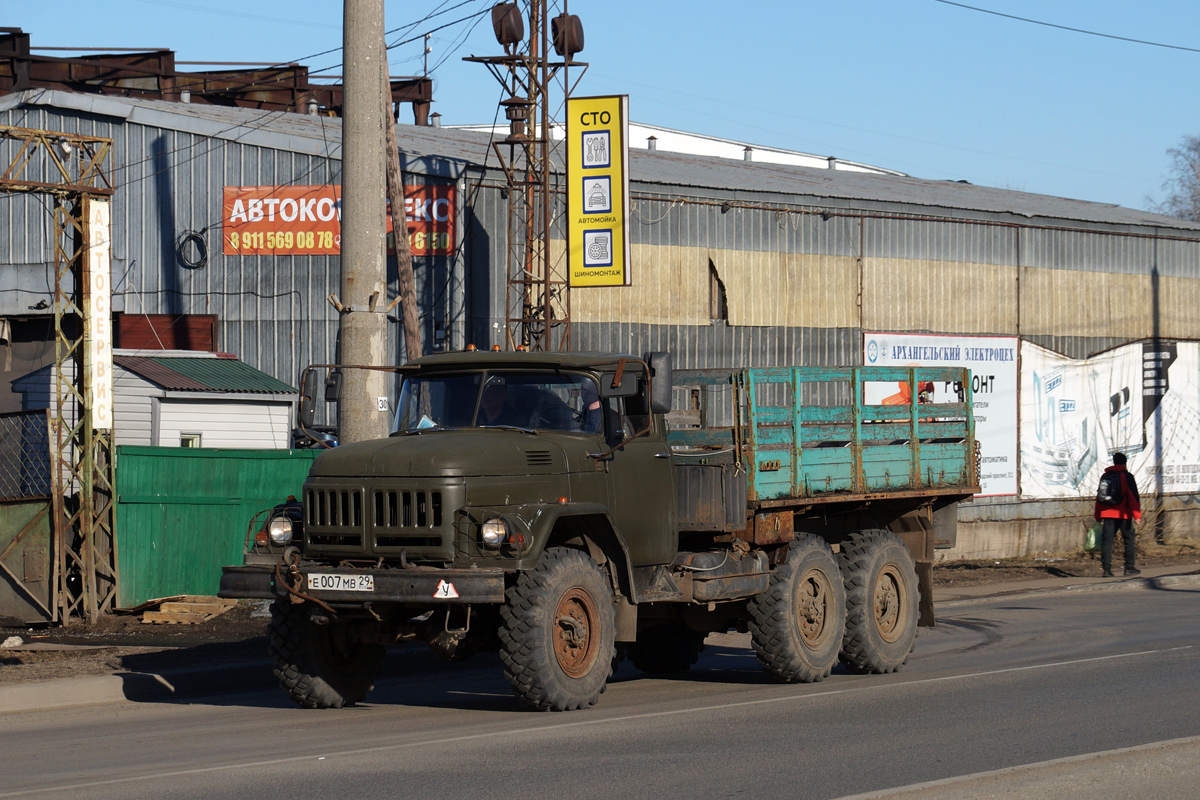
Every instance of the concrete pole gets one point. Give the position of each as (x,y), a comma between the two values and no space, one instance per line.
(364,264)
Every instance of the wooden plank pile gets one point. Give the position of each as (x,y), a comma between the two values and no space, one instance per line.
(185,609)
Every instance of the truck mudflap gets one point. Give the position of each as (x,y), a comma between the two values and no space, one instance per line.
(350,585)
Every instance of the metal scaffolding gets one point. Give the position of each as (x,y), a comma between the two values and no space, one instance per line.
(71,170)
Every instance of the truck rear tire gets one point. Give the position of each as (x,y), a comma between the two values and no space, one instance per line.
(882,602)
(667,649)
(318,665)
(557,630)
(796,625)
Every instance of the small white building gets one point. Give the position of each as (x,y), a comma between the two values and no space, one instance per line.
(184,398)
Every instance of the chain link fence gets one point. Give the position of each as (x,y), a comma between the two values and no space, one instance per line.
(25,455)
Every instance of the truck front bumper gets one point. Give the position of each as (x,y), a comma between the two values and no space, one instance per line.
(416,586)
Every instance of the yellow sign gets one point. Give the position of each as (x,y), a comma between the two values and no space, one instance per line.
(598,191)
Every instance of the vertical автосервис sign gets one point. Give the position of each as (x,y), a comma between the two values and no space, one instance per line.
(598,191)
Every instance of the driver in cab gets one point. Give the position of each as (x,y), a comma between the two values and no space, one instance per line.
(496,407)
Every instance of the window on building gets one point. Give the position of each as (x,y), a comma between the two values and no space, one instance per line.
(189,440)
(718,309)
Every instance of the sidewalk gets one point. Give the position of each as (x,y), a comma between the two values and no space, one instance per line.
(185,685)
(1169,576)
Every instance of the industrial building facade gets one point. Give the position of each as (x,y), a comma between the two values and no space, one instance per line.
(734,263)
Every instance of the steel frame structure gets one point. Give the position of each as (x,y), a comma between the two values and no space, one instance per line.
(538,296)
(71,170)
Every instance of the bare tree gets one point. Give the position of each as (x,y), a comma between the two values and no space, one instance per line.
(1182,186)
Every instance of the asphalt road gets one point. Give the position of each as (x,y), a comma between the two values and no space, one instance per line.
(1011,697)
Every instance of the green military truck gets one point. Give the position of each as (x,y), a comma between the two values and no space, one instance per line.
(553,507)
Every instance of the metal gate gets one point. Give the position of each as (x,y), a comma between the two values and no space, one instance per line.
(27,568)
(183,513)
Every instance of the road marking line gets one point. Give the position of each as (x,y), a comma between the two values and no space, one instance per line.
(915,787)
(579,724)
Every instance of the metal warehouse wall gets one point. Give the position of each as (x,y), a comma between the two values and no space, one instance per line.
(797,272)
(272,310)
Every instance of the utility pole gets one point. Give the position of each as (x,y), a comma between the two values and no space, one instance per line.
(362,412)
(406,290)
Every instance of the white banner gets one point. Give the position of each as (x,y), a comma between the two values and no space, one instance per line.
(1140,399)
(97,321)
(993,364)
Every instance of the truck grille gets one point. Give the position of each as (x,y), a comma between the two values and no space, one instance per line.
(379,520)
(333,517)
(406,518)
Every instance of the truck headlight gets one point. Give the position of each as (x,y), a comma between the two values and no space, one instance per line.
(494,531)
(280,531)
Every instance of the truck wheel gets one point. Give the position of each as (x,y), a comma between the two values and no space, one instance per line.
(317,665)
(556,633)
(667,649)
(796,625)
(881,602)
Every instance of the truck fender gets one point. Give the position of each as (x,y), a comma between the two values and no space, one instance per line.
(593,528)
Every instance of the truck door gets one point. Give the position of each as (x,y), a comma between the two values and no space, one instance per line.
(642,486)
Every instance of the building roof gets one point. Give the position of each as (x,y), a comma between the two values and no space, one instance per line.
(201,374)
(446,152)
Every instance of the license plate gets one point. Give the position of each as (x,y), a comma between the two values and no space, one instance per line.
(337,582)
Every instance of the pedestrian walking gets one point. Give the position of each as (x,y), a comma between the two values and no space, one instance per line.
(1117,506)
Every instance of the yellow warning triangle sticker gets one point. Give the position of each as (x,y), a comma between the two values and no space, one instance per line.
(445,590)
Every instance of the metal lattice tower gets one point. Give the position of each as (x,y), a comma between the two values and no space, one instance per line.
(71,170)
(538,300)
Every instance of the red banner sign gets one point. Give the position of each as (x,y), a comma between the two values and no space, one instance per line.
(306,220)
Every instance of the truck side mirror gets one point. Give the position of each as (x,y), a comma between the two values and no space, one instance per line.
(626,388)
(660,387)
(307,410)
(333,387)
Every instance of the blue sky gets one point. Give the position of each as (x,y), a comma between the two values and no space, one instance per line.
(921,86)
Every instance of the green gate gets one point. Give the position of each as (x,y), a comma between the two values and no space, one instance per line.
(26,520)
(183,513)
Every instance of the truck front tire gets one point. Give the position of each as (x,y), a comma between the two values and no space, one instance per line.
(882,602)
(557,630)
(796,625)
(319,666)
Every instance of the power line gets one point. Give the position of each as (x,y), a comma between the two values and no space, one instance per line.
(1067,27)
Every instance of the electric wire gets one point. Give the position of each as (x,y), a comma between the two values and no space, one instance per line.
(1068,27)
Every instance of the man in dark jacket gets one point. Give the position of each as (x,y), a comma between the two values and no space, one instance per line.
(1119,516)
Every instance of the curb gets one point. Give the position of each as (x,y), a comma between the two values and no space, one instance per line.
(176,686)
(1162,582)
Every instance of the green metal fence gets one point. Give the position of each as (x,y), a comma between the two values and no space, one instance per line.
(183,513)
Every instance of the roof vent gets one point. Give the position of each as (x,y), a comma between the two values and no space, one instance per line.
(748,153)
(832,162)
(435,119)
(652,143)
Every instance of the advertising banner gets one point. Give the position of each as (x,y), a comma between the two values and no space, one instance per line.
(1140,399)
(97,323)
(307,220)
(598,191)
(993,364)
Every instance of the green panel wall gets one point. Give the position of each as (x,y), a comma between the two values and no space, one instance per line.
(183,513)
(26,562)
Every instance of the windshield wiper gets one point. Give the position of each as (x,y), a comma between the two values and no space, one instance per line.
(511,428)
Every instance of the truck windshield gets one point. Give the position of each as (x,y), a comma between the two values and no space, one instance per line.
(534,400)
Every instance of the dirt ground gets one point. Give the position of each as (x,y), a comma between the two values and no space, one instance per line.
(123,643)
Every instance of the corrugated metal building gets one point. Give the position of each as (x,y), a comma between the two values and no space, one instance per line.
(734,262)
